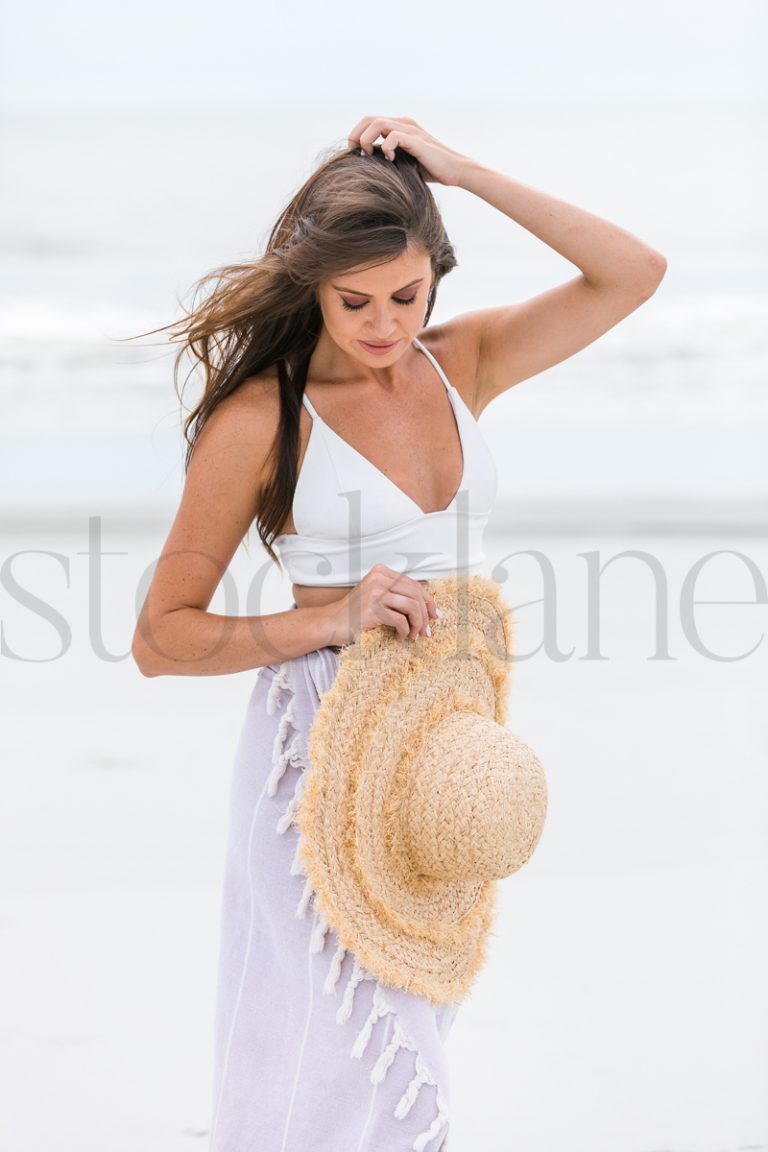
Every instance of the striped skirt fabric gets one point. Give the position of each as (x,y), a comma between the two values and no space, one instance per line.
(311,1052)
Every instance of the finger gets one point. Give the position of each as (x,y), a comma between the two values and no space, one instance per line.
(390,143)
(411,611)
(420,614)
(430,601)
(400,139)
(415,621)
(394,135)
(377,126)
(367,130)
(397,621)
(354,137)
(424,614)
(370,134)
(402,602)
(420,587)
(426,602)
(391,122)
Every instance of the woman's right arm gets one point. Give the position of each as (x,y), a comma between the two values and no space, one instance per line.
(175,634)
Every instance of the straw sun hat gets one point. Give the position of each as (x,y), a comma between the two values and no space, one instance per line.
(418,800)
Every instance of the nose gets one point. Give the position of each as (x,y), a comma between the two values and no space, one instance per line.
(383,325)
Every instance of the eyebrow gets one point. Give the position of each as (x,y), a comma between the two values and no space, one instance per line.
(354,291)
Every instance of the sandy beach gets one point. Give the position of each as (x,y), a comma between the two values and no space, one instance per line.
(623,1006)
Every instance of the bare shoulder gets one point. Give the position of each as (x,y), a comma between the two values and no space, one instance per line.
(232,456)
(243,425)
(221,497)
(256,397)
(455,345)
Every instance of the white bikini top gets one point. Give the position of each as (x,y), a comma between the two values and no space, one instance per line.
(350,516)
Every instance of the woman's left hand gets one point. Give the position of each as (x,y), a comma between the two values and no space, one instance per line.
(439,163)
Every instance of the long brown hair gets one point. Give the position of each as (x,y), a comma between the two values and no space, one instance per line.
(353,210)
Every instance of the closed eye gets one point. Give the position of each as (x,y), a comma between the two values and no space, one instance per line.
(357,307)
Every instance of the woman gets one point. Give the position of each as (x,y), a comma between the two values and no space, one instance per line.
(347,430)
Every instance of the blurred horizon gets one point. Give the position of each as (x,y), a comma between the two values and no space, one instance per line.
(138,216)
(134,162)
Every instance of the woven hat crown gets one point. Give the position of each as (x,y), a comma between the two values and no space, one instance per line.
(470,809)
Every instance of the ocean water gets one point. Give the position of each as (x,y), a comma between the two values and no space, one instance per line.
(108,221)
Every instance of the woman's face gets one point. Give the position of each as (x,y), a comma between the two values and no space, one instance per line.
(384,305)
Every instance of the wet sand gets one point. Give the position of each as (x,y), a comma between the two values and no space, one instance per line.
(623,1005)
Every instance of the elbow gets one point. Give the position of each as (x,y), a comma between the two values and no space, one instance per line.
(139,654)
(638,279)
(145,655)
(654,269)
(149,643)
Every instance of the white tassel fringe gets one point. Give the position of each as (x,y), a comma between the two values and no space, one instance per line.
(288,750)
(407,1100)
(380,1008)
(334,971)
(439,1122)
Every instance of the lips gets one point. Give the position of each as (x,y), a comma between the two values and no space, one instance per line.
(379,347)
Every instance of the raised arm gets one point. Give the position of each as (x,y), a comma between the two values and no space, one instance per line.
(618,271)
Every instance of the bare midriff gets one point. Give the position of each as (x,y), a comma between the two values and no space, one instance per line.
(307,596)
(311,597)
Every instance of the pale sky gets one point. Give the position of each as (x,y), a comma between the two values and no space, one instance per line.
(194,56)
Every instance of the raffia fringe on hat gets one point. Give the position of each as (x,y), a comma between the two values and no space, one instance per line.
(418,799)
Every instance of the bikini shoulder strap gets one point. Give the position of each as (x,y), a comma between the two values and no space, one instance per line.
(310,406)
(429,356)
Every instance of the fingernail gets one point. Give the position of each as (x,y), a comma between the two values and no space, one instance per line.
(428,630)
(439,613)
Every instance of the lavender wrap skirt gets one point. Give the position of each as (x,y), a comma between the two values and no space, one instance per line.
(311,1052)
